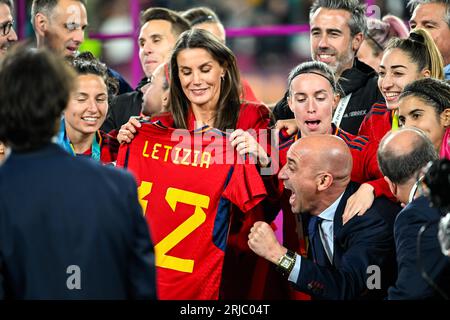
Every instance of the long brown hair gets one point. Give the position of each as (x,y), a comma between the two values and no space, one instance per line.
(228,106)
(422,50)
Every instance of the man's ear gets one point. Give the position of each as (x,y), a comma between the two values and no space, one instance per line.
(324,181)
(165,99)
(357,41)
(392,186)
(41,24)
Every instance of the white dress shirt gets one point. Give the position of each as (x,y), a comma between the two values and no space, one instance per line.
(326,235)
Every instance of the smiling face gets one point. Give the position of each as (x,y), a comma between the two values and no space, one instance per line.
(88,105)
(331,39)
(6,40)
(156,41)
(200,77)
(395,72)
(312,101)
(64,29)
(415,112)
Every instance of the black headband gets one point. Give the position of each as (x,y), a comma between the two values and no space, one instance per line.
(421,92)
(333,85)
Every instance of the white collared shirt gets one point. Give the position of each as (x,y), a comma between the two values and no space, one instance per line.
(326,235)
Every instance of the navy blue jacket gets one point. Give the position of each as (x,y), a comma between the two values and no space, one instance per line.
(410,284)
(124,87)
(58,211)
(362,242)
(122,107)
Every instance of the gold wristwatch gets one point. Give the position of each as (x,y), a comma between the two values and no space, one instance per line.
(286,263)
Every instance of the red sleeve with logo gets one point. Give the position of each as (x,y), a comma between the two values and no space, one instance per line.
(376,123)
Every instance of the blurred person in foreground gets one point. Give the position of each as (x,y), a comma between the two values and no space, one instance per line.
(77,231)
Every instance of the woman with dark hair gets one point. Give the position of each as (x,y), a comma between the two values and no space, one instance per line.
(404,61)
(425,104)
(62,219)
(204,85)
(80,133)
(206,19)
(204,90)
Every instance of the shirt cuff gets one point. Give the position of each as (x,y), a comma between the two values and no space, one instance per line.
(295,273)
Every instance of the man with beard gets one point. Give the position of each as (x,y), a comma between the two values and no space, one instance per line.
(337,31)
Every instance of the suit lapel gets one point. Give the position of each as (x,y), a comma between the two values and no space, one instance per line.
(337,223)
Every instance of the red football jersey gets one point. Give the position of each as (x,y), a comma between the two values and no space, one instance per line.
(187,181)
(377,122)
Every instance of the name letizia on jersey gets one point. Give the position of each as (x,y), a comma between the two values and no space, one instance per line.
(205,147)
(177,155)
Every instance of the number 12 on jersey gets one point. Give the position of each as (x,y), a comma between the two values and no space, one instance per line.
(173,196)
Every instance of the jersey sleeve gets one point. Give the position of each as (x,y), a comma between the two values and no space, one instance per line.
(246,188)
(253,116)
(122,156)
(373,125)
(366,169)
(366,125)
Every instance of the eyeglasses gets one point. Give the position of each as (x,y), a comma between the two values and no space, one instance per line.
(6,27)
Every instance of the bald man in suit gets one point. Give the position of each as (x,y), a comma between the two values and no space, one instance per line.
(342,260)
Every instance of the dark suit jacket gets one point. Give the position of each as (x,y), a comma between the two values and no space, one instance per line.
(122,107)
(362,242)
(58,211)
(410,284)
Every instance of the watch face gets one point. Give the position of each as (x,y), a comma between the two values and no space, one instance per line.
(285,262)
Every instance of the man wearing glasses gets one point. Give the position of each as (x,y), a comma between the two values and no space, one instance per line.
(7,33)
(7,37)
